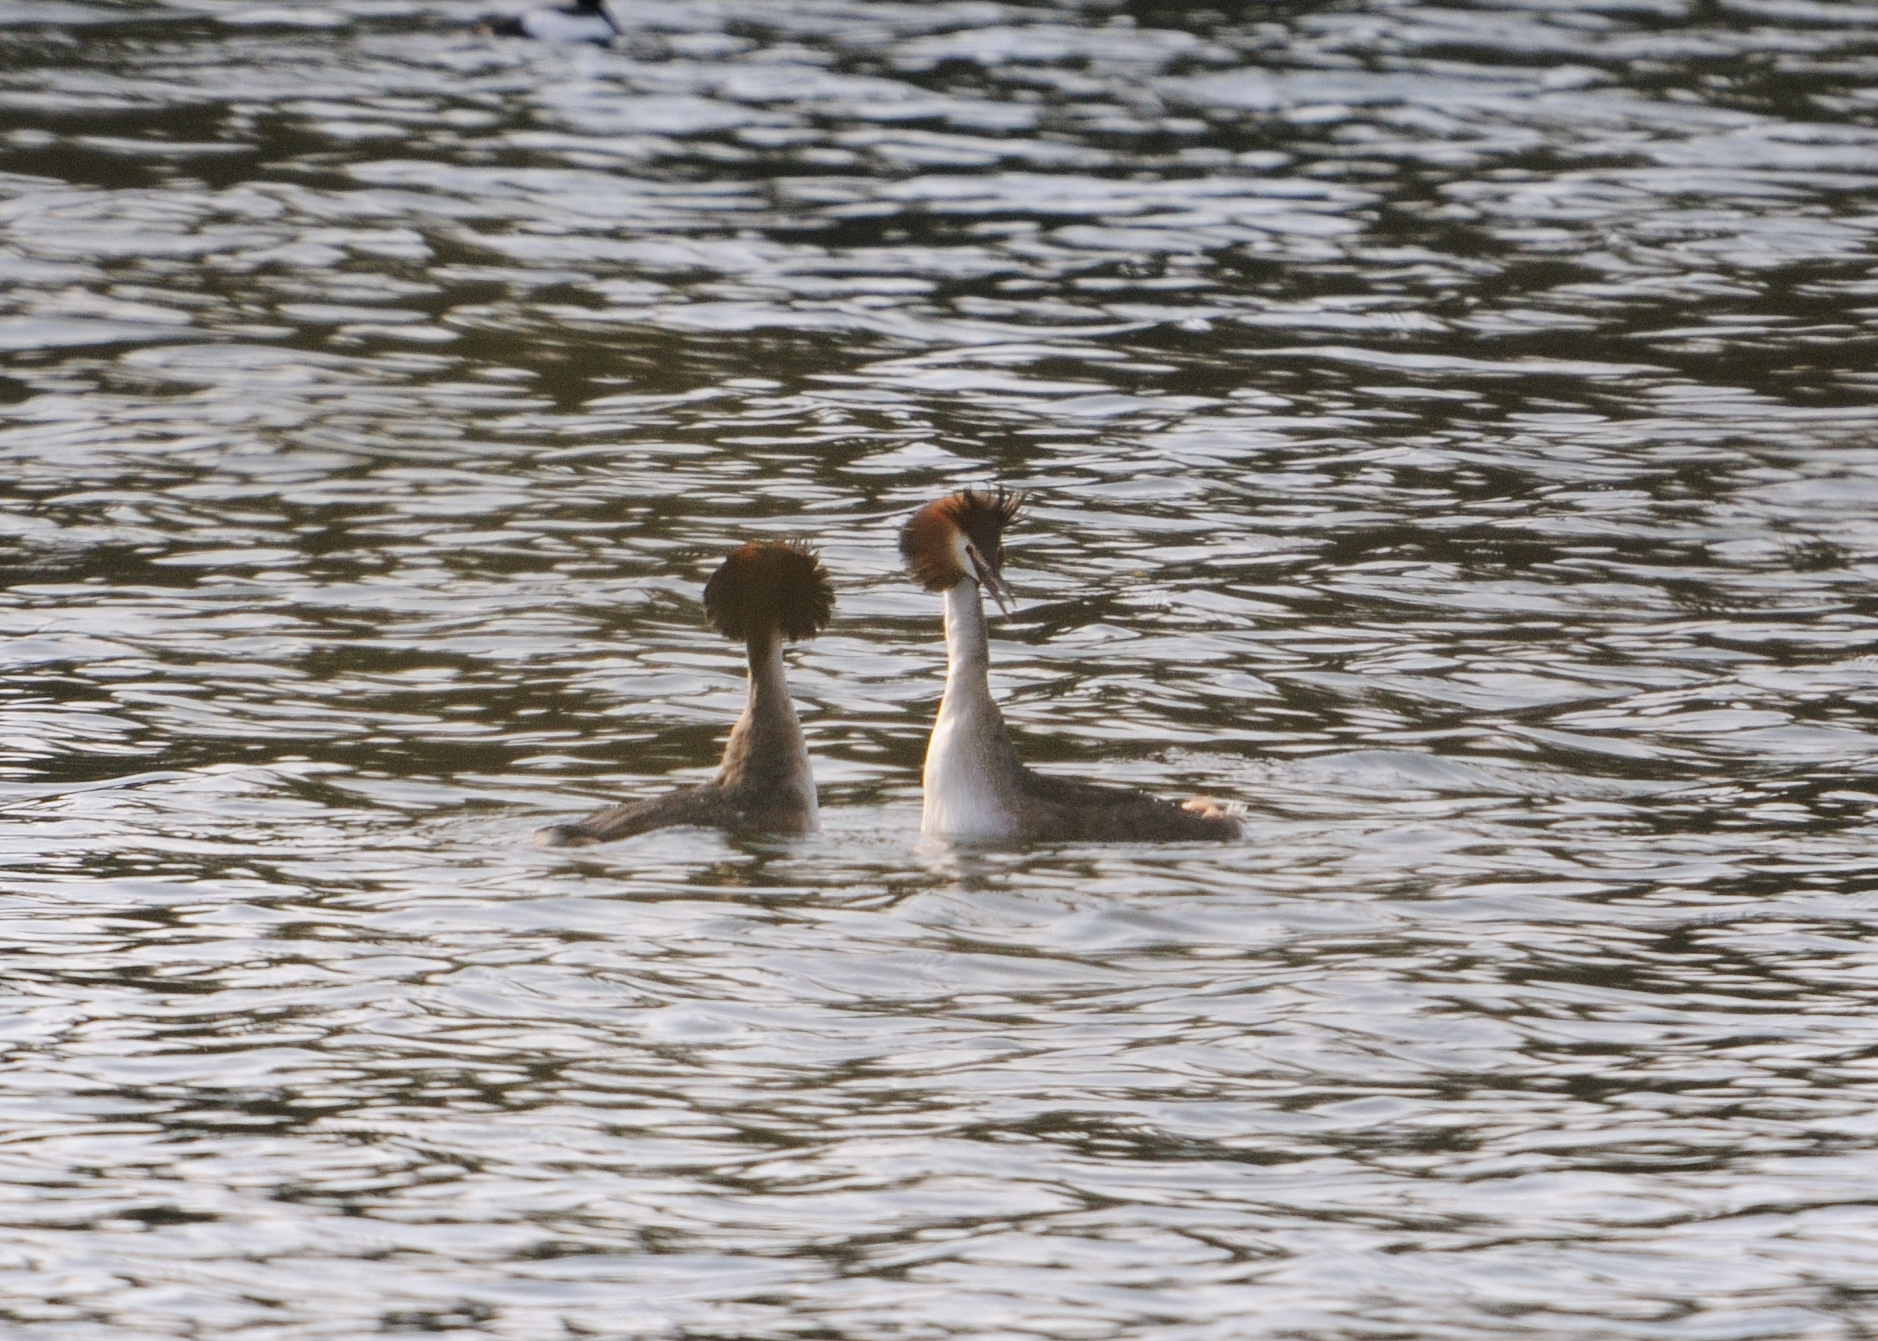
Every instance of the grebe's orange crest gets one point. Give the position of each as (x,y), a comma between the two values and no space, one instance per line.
(927,541)
(769,583)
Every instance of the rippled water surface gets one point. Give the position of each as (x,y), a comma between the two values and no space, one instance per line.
(1452,433)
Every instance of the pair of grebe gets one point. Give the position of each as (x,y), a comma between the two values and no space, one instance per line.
(767,592)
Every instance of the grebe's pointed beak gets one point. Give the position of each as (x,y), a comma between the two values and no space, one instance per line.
(990,580)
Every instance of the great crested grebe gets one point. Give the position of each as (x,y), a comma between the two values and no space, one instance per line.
(582,21)
(765,591)
(975,786)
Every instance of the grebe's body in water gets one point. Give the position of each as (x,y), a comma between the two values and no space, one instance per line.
(582,21)
(765,592)
(975,787)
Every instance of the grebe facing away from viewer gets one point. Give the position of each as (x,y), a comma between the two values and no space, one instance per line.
(582,21)
(765,591)
(975,787)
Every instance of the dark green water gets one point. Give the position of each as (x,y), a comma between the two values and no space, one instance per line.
(1452,433)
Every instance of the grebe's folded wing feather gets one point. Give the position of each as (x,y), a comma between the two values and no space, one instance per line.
(1066,810)
(709,806)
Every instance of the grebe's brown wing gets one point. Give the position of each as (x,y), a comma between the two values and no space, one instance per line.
(1064,810)
(710,806)
(706,806)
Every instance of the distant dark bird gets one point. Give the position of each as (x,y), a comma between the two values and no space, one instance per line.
(582,21)
(975,787)
(765,592)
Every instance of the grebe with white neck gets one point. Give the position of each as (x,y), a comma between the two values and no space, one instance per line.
(974,784)
(582,21)
(765,592)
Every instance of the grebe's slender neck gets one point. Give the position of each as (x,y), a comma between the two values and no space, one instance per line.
(972,778)
(968,649)
(766,751)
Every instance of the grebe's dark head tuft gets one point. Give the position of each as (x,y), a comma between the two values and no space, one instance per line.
(961,536)
(766,584)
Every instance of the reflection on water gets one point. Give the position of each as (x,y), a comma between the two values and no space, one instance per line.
(1452,432)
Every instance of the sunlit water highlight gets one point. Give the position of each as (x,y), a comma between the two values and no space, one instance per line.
(1452,433)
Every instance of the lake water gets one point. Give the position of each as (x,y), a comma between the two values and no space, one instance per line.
(1451,432)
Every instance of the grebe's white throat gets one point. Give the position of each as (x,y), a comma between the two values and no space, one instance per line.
(973,781)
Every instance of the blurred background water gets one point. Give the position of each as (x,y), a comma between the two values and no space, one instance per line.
(1453,433)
